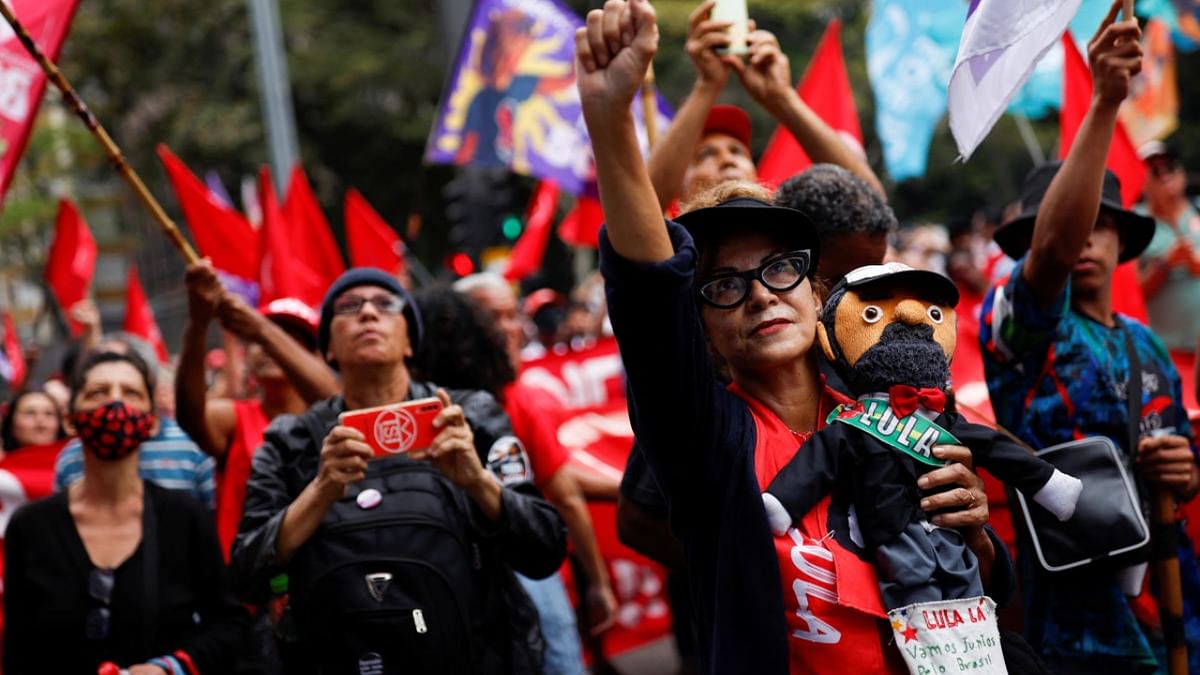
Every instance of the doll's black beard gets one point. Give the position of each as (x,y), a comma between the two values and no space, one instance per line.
(904,355)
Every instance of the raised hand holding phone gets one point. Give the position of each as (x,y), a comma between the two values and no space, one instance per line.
(735,12)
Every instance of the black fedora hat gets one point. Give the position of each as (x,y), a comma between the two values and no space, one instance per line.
(745,214)
(1015,236)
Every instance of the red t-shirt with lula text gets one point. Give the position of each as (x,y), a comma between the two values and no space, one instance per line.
(835,616)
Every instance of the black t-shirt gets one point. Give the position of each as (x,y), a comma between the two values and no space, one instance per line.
(47,601)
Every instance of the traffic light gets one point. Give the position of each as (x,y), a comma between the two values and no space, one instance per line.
(481,206)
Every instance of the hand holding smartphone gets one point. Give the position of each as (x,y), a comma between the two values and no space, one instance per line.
(396,428)
(735,11)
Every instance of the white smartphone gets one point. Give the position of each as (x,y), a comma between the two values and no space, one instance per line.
(735,11)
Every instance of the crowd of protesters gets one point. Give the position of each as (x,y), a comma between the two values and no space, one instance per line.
(224,517)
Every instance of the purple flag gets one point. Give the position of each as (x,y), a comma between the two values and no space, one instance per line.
(512,102)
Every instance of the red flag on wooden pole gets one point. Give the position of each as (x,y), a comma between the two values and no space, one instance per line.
(527,255)
(581,227)
(371,241)
(139,316)
(825,87)
(221,232)
(1123,160)
(13,353)
(24,82)
(71,261)
(312,240)
(284,273)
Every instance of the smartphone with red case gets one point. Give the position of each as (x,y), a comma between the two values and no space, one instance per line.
(396,428)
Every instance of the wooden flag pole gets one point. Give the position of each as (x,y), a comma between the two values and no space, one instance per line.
(110,148)
(650,107)
(1165,546)
(1128,10)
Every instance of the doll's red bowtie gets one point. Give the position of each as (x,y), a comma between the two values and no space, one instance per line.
(904,399)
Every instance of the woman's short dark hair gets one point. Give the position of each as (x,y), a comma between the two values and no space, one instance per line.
(96,358)
(8,438)
(462,347)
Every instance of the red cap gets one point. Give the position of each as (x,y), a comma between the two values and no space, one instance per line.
(294,311)
(540,299)
(729,120)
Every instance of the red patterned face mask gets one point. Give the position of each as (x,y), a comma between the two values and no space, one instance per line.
(112,431)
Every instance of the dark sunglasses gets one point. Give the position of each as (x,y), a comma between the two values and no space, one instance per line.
(100,589)
(779,274)
(353,304)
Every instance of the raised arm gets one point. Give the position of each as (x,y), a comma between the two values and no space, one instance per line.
(209,423)
(668,163)
(612,53)
(767,77)
(304,369)
(1072,202)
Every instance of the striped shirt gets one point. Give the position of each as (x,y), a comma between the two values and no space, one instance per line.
(170,460)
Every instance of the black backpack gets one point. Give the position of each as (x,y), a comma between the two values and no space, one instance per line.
(401,586)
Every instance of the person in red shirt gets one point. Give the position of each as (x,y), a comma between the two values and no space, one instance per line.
(283,362)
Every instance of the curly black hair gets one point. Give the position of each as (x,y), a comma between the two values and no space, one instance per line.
(837,201)
(462,347)
(8,438)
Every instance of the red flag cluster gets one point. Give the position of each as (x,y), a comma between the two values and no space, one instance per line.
(293,254)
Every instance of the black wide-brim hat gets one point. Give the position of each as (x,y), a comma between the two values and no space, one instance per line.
(1014,237)
(744,214)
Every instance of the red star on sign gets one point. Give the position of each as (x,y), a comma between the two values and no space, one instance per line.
(909,634)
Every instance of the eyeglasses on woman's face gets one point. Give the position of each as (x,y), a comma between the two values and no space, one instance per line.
(780,273)
(384,303)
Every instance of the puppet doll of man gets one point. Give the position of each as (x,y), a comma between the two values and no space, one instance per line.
(889,331)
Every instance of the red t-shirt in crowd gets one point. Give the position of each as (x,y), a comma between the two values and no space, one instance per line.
(535,416)
(248,430)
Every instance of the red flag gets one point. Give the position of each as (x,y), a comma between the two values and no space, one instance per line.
(825,87)
(1077,96)
(1123,160)
(371,241)
(24,82)
(527,255)
(139,316)
(72,259)
(221,232)
(581,227)
(13,352)
(284,274)
(312,240)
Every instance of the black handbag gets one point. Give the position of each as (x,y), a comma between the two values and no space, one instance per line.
(1108,531)
(1108,528)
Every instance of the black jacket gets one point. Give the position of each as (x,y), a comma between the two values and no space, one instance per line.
(529,537)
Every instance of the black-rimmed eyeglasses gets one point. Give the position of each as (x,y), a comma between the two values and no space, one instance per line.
(353,304)
(781,273)
(100,589)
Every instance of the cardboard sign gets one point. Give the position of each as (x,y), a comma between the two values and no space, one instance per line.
(950,636)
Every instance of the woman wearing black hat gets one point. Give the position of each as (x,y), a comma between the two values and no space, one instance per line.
(731,283)
(1061,366)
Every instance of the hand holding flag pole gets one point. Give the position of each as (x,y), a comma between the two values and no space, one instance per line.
(110,148)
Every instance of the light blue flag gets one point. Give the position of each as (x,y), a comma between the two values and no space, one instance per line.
(911,45)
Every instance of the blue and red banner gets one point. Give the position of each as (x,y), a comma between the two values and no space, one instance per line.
(511,100)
